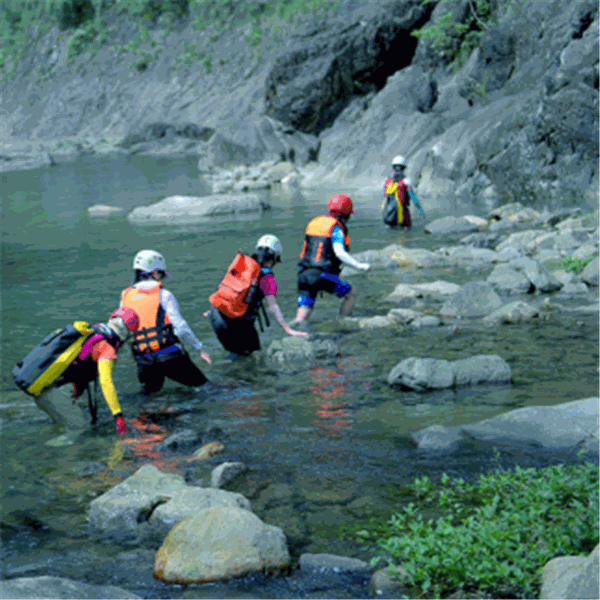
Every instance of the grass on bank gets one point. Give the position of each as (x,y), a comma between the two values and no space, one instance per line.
(87,25)
(493,538)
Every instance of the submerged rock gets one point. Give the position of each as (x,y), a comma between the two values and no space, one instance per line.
(103,210)
(292,353)
(561,426)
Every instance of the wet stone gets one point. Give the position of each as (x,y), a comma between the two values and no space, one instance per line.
(323,490)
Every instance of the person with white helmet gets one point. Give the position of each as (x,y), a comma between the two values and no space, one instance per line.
(238,334)
(157,347)
(397,194)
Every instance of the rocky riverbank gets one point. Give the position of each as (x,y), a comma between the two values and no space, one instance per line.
(194,531)
(513,116)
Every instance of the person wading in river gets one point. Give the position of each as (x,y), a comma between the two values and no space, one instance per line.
(325,248)
(236,304)
(94,357)
(397,195)
(156,347)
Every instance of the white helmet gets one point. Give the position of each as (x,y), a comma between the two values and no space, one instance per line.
(272,243)
(149,260)
(399,160)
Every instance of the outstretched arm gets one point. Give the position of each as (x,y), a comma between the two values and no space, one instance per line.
(415,201)
(180,326)
(341,253)
(276,312)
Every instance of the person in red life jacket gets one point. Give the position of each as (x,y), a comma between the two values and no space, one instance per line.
(95,360)
(397,195)
(157,347)
(325,249)
(238,335)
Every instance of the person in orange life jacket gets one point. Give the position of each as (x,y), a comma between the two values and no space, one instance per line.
(398,176)
(96,359)
(239,336)
(325,249)
(157,347)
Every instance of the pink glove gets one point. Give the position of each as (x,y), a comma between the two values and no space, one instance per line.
(121,425)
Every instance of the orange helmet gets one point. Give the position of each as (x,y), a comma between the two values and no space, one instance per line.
(340,204)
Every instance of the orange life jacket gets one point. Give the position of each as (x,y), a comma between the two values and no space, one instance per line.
(317,250)
(155,330)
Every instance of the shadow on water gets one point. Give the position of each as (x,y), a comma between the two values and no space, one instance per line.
(328,449)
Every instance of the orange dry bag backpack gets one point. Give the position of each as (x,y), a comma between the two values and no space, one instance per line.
(238,286)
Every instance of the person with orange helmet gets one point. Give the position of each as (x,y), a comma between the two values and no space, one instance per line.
(94,360)
(325,249)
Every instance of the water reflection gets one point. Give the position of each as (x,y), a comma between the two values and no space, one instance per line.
(329,390)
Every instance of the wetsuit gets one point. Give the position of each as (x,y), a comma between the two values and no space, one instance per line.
(156,347)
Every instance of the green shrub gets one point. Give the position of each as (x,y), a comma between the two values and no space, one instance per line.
(24,22)
(454,38)
(575,265)
(493,538)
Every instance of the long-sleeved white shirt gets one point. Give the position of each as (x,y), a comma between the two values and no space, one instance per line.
(170,306)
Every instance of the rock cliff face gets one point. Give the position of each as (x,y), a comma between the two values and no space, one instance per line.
(518,120)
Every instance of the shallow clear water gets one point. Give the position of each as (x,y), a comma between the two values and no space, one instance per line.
(327,448)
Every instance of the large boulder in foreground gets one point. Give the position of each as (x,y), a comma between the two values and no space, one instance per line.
(59,587)
(186,208)
(571,577)
(424,374)
(162,499)
(218,543)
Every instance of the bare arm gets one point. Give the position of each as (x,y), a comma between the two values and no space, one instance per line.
(276,312)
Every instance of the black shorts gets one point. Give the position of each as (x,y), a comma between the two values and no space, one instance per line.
(313,281)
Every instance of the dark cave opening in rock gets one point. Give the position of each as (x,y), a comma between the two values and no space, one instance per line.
(397,50)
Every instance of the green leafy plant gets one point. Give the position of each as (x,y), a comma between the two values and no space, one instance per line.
(453,37)
(493,538)
(576,265)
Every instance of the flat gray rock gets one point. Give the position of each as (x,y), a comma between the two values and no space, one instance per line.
(562,426)
(59,587)
(474,299)
(187,208)
(332,562)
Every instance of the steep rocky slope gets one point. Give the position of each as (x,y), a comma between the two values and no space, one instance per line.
(517,121)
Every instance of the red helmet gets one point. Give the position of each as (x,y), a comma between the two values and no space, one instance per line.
(129,316)
(340,204)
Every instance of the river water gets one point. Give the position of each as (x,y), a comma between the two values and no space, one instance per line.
(328,449)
